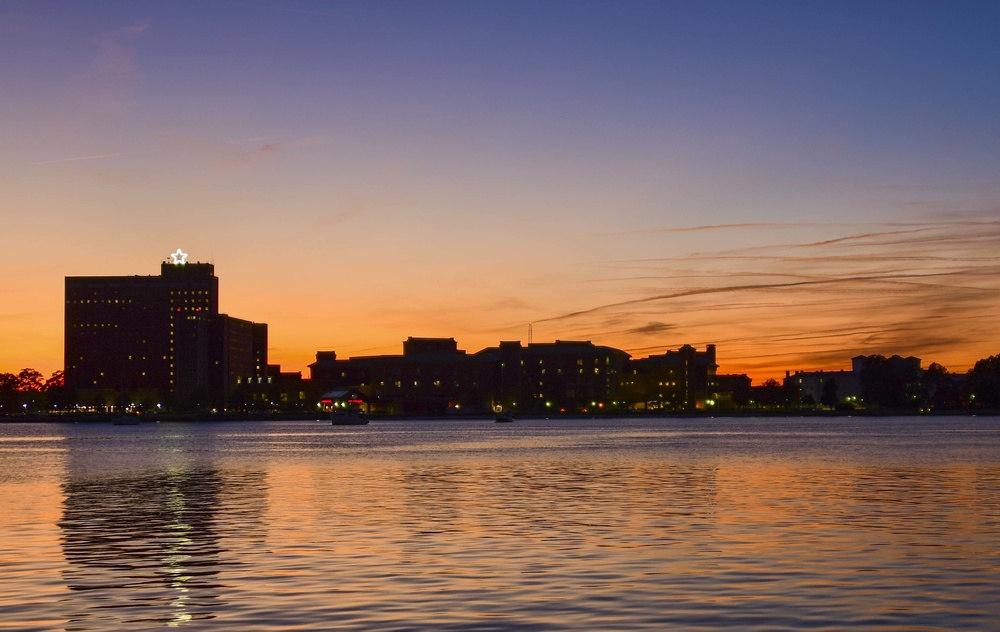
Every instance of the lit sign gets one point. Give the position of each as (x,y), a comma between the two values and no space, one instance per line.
(179,258)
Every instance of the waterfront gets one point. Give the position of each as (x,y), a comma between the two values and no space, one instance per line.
(747,523)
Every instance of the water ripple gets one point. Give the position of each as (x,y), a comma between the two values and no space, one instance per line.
(612,525)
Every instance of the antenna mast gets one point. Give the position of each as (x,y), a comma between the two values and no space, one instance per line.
(529,334)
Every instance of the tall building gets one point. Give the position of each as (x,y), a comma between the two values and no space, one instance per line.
(158,338)
(681,380)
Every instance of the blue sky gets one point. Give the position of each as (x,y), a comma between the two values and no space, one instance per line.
(472,167)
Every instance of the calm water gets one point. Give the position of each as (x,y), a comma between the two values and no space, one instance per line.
(753,524)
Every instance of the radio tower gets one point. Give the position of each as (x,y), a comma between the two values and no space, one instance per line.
(529,333)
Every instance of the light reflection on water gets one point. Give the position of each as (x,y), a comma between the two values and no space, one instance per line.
(879,524)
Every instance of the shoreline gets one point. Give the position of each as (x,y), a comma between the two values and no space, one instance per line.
(252,417)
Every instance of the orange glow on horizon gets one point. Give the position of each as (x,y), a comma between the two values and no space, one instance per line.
(802,306)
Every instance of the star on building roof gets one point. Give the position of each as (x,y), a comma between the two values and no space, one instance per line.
(179,258)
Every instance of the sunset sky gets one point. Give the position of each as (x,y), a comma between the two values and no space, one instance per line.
(796,182)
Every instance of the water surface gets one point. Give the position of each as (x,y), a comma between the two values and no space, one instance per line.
(757,524)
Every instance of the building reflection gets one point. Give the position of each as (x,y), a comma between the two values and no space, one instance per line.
(152,547)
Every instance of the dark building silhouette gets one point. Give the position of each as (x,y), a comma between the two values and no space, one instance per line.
(433,376)
(158,338)
(731,391)
(848,384)
(813,384)
(682,380)
(560,376)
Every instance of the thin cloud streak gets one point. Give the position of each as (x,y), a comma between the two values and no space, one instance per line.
(925,291)
(94,157)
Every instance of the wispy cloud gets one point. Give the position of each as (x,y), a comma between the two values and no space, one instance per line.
(225,155)
(930,289)
(94,157)
(230,155)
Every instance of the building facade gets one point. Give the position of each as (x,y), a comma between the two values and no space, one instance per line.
(433,376)
(157,339)
(676,381)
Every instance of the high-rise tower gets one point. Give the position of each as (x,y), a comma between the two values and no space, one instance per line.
(154,337)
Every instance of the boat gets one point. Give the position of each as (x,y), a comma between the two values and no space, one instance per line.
(501,418)
(349,417)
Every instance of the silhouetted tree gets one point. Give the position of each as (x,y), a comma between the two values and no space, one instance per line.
(742,394)
(29,381)
(20,392)
(57,379)
(767,394)
(9,399)
(829,397)
(57,395)
(888,384)
(984,382)
(791,394)
(938,389)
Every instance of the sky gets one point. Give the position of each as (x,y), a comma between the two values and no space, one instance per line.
(795,182)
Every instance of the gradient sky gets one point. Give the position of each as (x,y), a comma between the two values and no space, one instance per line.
(796,182)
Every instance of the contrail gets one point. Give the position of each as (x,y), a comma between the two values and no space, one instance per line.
(94,157)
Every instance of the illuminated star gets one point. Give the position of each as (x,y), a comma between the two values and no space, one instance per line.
(180,258)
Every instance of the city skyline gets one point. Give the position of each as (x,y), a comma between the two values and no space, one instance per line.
(795,184)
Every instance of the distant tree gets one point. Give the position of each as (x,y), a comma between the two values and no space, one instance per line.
(790,395)
(57,394)
(9,396)
(769,394)
(874,381)
(887,384)
(830,396)
(56,380)
(937,388)
(984,382)
(21,391)
(742,394)
(29,381)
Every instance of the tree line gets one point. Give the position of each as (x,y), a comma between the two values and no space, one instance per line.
(28,391)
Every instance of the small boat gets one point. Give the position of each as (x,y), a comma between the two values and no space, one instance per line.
(503,419)
(349,417)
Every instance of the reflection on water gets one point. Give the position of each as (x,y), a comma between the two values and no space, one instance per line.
(147,549)
(625,525)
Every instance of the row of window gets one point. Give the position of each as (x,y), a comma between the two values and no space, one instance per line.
(250,380)
(95,301)
(579,361)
